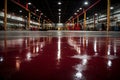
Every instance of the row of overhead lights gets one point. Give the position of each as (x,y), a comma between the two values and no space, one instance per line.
(59,11)
(37,10)
(80,9)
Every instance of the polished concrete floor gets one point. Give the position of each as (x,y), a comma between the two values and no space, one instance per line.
(59,55)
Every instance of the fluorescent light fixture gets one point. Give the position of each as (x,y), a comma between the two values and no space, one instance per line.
(41,13)
(37,9)
(86,2)
(59,3)
(59,13)
(80,8)
(96,14)
(111,8)
(20,11)
(77,10)
(75,13)
(59,9)
(29,3)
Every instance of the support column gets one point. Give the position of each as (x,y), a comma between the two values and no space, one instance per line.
(108,15)
(29,18)
(84,19)
(67,25)
(77,20)
(39,22)
(44,22)
(73,24)
(94,20)
(5,15)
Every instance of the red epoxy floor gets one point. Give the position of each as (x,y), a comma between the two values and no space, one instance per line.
(59,56)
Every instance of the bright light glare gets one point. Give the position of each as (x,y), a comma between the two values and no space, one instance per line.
(80,8)
(59,9)
(37,9)
(59,3)
(79,75)
(20,11)
(77,10)
(84,61)
(109,49)
(37,49)
(18,64)
(59,13)
(41,13)
(59,49)
(109,63)
(75,13)
(95,45)
(29,3)
(28,56)
(86,3)
(96,14)
(1,59)
(111,8)
(115,48)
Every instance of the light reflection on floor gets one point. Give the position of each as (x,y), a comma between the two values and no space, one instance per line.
(59,56)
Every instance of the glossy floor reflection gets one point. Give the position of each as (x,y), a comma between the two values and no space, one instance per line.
(59,56)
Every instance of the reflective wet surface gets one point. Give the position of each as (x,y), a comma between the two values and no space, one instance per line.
(57,55)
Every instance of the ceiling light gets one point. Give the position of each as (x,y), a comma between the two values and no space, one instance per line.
(29,3)
(41,13)
(59,3)
(75,13)
(111,8)
(37,9)
(59,13)
(86,2)
(96,14)
(1,59)
(20,11)
(77,10)
(80,8)
(59,9)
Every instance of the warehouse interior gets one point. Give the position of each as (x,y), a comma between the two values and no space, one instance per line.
(60,15)
(60,40)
